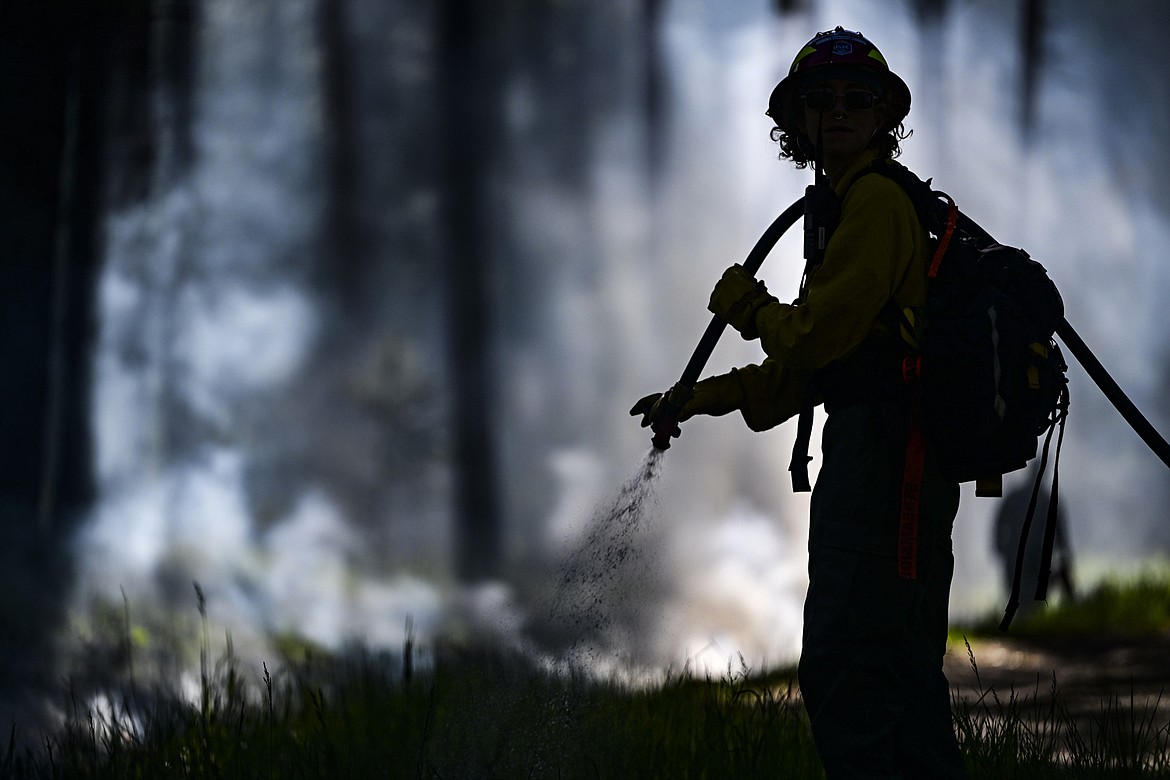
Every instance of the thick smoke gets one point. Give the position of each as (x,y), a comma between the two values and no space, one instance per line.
(258,437)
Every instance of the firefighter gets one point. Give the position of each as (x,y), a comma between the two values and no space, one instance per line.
(875,618)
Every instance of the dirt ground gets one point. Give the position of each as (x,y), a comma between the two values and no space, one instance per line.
(1089,672)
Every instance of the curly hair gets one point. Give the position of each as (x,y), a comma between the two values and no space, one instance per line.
(798,148)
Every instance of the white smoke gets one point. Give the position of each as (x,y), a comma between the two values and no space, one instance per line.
(209,327)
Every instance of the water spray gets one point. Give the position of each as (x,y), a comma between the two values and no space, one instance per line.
(666,427)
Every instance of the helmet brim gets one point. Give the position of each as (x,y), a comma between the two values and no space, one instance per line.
(890,83)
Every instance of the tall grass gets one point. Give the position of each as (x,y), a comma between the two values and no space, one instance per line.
(476,714)
(1026,734)
(1134,605)
(485,713)
(1036,732)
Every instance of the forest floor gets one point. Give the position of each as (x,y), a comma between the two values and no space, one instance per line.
(1092,674)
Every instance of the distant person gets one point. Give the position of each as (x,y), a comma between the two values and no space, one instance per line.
(1009,525)
(875,617)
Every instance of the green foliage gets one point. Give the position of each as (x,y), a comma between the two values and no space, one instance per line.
(1133,606)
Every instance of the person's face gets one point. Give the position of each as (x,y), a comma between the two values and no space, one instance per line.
(843,130)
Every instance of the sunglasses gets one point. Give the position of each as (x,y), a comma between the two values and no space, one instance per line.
(825,99)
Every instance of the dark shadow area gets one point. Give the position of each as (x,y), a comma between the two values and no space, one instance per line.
(57,61)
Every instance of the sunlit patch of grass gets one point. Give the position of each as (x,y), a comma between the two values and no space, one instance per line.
(1136,605)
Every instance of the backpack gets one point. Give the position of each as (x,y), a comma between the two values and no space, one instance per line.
(986,377)
(991,378)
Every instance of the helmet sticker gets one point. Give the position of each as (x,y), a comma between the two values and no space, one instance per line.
(807,50)
(842,48)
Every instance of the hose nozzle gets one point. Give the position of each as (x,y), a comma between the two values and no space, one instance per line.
(665,425)
(664,431)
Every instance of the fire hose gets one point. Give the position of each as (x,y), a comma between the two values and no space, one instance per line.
(1112,391)
(666,427)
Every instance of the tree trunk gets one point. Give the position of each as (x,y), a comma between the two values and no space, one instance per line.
(468,124)
(54,65)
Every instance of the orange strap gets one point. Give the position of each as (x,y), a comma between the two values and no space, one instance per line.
(915,443)
(945,239)
(911,476)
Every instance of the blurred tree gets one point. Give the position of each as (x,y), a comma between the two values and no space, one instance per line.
(656,83)
(1032,26)
(57,61)
(342,265)
(470,82)
(929,11)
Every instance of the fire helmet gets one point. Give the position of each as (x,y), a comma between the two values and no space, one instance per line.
(839,54)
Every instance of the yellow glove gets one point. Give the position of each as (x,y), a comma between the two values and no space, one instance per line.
(737,297)
(714,396)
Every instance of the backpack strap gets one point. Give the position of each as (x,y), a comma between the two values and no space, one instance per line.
(944,240)
(1013,604)
(1053,519)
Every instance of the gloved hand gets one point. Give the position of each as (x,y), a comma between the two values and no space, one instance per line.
(714,396)
(737,298)
(664,407)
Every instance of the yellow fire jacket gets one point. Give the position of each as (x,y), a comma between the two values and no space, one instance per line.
(877,252)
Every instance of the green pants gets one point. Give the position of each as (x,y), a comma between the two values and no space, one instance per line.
(871,663)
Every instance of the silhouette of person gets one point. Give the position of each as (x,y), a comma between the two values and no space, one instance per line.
(880,557)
